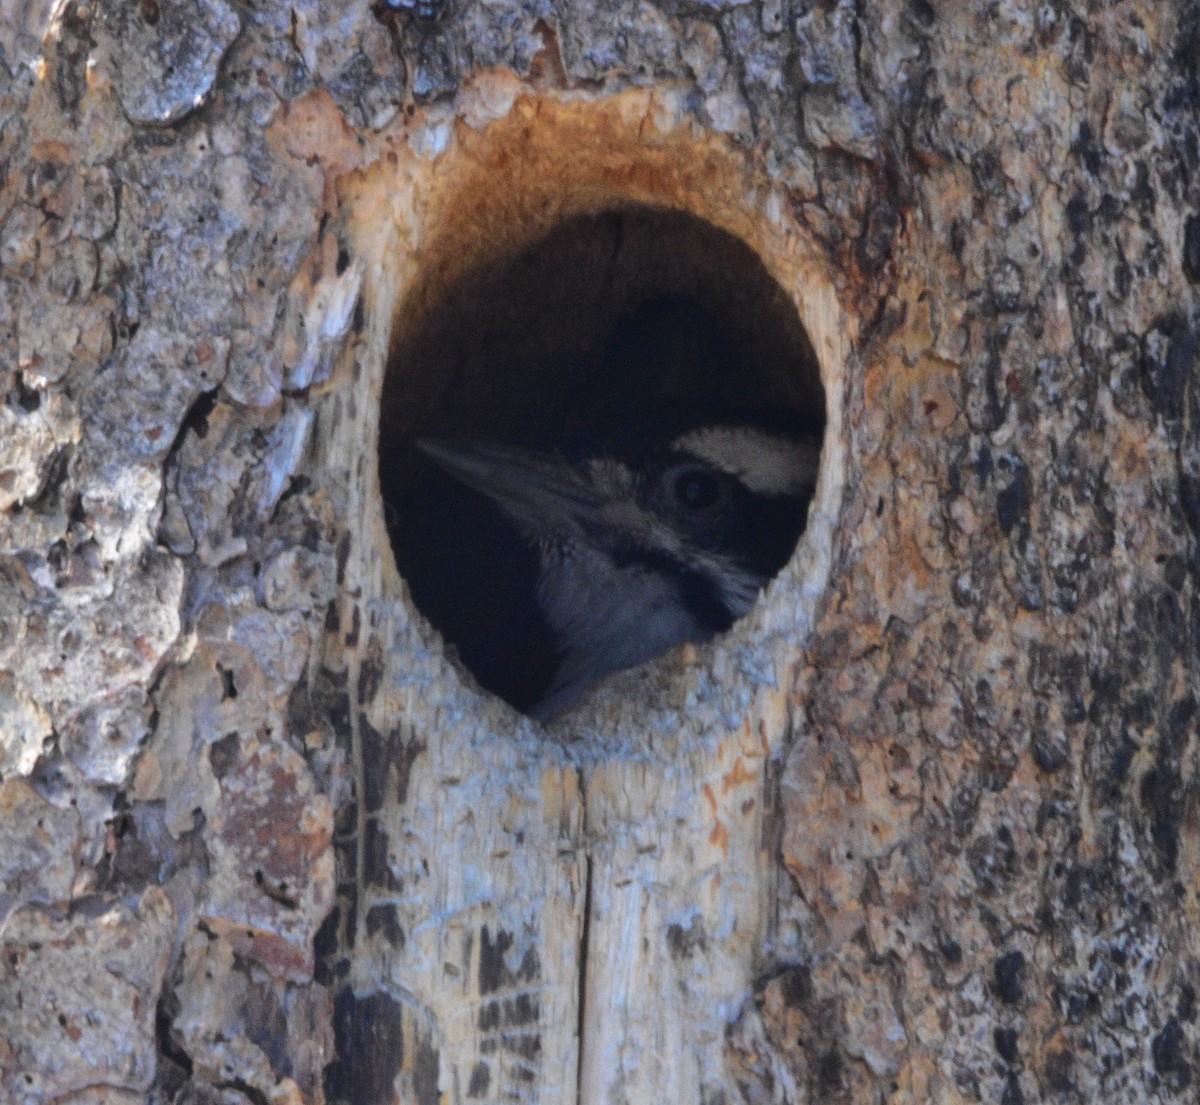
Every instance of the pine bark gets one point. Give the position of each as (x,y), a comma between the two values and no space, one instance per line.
(926,832)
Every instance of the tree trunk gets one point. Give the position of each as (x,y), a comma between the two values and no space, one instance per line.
(921,828)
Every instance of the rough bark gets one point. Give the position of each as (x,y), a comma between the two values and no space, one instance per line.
(922,829)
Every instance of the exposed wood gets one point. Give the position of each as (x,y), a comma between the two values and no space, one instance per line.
(658,809)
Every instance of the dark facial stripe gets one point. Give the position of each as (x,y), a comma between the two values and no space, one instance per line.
(700,593)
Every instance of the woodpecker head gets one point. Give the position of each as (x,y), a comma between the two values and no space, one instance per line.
(649,548)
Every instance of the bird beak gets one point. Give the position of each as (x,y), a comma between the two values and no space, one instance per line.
(538,491)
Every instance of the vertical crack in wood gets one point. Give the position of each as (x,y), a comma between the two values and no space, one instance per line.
(584,932)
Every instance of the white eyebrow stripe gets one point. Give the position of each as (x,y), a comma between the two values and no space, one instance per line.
(766,464)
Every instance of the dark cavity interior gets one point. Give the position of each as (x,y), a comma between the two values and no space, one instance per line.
(611,329)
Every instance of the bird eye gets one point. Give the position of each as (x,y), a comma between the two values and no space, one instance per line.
(696,488)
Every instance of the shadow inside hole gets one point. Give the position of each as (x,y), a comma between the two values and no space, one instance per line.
(612,330)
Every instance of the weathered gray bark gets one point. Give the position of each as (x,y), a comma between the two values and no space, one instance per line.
(922,829)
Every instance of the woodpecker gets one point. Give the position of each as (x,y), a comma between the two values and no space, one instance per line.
(635,550)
